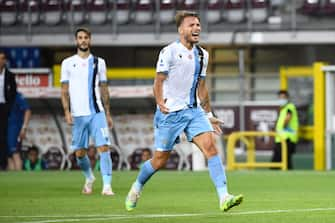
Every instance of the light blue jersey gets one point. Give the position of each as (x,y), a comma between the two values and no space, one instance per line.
(183,70)
(84,89)
(182,67)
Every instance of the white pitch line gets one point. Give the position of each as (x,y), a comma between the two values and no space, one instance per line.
(281,211)
(120,217)
(117,218)
(61,216)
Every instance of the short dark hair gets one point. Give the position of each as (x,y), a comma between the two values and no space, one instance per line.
(33,148)
(285,92)
(146,150)
(3,52)
(181,15)
(82,29)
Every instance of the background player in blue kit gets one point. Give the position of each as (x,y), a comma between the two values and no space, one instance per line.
(19,117)
(85,91)
(183,105)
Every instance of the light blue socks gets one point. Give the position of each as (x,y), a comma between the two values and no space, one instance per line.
(145,173)
(85,165)
(218,176)
(106,167)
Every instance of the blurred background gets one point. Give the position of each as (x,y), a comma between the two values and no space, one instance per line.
(256,47)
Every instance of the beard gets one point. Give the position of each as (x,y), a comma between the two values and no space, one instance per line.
(82,48)
(190,39)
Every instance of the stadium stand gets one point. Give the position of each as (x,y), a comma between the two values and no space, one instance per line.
(143,13)
(122,11)
(30,12)
(139,16)
(136,131)
(167,11)
(9,12)
(52,12)
(328,8)
(234,11)
(311,7)
(259,10)
(75,12)
(97,11)
(189,5)
(214,11)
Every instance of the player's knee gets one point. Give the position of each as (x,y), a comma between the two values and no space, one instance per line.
(102,149)
(210,150)
(80,153)
(158,163)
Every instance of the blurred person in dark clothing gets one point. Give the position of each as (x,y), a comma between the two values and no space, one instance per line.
(18,120)
(7,96)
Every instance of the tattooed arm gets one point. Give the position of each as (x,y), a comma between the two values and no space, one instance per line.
(158,92)
(106,102)
(205,104)
(204,96)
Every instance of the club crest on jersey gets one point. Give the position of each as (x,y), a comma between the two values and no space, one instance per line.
(190,57)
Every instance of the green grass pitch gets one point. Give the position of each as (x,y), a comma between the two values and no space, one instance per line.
(270,196)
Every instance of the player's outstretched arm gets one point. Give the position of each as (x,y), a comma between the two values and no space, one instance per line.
(106,102)
(66,103)
(205,104)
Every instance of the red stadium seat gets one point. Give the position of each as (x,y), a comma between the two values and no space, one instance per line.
(143,13)
(8,12)
(52,11)
(75,11)
(122,11)
(234,11)
(97,11)
(311,7)
(214,11)
(30,11)
(259,10)
(189,5)
(328,8)
(167,11)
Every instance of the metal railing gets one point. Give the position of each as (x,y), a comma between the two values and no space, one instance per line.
(248,139)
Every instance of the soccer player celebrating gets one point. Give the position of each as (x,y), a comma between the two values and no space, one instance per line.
(85,91)
(183,105)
